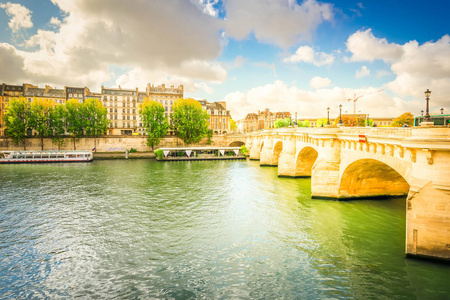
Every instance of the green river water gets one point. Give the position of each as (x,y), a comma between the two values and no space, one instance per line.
(142,229)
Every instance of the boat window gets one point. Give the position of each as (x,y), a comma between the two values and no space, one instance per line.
(52,155)
(29,156)
(60,155)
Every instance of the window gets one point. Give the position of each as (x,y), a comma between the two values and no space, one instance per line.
(70,95)
(134,111)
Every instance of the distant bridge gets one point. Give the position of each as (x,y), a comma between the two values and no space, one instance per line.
(348,163)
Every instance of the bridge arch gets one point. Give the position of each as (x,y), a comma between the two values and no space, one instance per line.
(236,144)
(304,161)
(371,178)
(277,148)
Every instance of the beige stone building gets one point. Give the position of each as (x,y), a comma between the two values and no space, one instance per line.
(122,107)
(219,116)
(261,120)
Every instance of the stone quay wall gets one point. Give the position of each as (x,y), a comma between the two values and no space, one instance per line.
(106,143)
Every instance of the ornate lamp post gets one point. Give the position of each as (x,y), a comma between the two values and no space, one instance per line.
(340,115)
(427,117)
(328,118)
(296,118)
(442,110)
(367,122)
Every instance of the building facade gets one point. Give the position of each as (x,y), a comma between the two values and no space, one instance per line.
(261,120)
(219,116)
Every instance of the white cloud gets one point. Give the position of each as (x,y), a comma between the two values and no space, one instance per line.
(313,104)
(365,47)
(363,72)
(173,37)
(416,67)
(383,73)
(319,82)
(208,7)
(308,55)
(20,16)
(279,22)
(55,22)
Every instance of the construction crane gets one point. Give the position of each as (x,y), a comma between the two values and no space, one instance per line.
(354,99)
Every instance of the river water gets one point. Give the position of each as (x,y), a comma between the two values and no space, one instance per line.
(208,230)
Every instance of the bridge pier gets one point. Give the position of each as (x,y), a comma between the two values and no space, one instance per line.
(325,173)
(266,156)
(287,156)
(255,150)
(428,223)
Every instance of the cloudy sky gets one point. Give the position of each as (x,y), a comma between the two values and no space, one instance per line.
(288,55)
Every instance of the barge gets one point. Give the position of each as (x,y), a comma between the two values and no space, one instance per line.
(45,156)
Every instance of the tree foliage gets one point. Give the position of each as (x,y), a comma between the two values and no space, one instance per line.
(16,119)
(233,125)
(39,118)
(279,123)
(190,121)
(57,124)
(50,119)
(304,124)
(405,118)
(321,122)
(154,120)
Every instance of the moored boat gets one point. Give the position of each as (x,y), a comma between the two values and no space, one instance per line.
(45,156)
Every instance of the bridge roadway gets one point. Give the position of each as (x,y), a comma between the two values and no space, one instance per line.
(348,163)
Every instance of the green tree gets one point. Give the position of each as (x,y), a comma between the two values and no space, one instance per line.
(369,123)
(16,120)
(321,122)
(57,125)
(95,118)
(279,123)
(39,118)
(405,118)
(304,124)
(74,121)
(233,125)
(190,121)
(155,122)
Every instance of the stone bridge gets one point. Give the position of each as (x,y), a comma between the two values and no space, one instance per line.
(348,163)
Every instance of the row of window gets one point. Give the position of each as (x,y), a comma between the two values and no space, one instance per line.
(114,117)
(75,96)
(129,111)
(114,98)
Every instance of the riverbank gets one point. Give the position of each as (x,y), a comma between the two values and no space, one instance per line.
(122,155)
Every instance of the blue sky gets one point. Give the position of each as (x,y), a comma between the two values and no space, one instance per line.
(297,56)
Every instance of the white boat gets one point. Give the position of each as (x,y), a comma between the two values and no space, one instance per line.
(45,156)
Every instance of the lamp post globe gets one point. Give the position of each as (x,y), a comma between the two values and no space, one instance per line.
(340,115)
(442,110)
(427,117)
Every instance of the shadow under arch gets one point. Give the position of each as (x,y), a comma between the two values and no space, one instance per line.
(371,178)
(276,152)
(261,147)
(305,162)
(236,144)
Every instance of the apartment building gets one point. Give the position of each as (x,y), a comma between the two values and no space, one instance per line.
(219,116)
(261,120)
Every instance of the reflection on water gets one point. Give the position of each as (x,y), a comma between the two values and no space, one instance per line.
(223,229)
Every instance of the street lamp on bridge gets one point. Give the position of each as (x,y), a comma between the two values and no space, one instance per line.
(328,118)
(427,117)
(442,110)
(340,115)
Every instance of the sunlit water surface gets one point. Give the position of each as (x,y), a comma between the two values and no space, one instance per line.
(185,230)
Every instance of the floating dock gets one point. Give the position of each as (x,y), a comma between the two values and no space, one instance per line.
(201,153)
